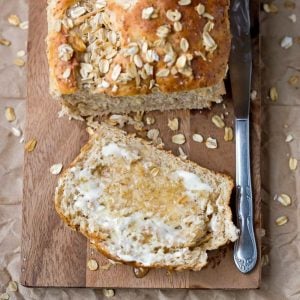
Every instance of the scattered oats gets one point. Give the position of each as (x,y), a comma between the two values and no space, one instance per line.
(265,260)
(4,296)
(217,120)
(14,20)
(116,72)
(108,293)
(178,139)
(147,13)
(211,143)
(85,70)
(289,138)
(173,124)
(21,53)
(104,84)
(293,162)
(184,45)
(163,73)
(286,42)
(200,8)
(184,2)
(30,145)
(228,134)
(270,8)
(293,18)
(24,25)
(16,131)
(273,94)
(56,169)
(10,114)
(182,154)
(177,26)
(197,138)
(65,52)
(92,265)
(150,120)
(281,220)
(284,199)
(253,95)
(77,12)
(5,42)
(153,134)
(294,80)
(12,286)
(290,4)
(173,15)
(19,62)
(22,140)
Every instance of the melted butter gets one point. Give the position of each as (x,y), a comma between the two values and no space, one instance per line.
(192,182)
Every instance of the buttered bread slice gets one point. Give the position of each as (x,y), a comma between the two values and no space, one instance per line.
(143,206)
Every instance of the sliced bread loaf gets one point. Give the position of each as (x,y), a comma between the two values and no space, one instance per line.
(143,206)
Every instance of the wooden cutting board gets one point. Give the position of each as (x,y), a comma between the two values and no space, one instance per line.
(55,256)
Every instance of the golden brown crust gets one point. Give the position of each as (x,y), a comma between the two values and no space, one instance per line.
(57,67)
(131,27)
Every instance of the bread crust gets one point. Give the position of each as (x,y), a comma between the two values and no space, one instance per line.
(130,25)
(96,239)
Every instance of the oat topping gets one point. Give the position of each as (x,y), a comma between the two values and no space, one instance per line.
(103,64)
(184,2)
(65,52)
(147,13)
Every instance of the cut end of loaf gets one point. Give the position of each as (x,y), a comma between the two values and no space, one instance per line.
(143,206)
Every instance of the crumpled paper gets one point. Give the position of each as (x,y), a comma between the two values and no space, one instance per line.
(280,276)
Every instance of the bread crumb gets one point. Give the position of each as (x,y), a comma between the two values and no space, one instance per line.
(10,114)
(12,286)
(56,169)
(108,293)
(92,265)
(14,20)
(273,94)
(293,163)
(5,42)
(286,42)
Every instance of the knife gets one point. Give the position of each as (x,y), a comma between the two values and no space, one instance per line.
(240,69)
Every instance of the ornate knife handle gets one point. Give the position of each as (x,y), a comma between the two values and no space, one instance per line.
(245,250)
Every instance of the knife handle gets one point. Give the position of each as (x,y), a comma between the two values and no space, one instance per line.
(245,250)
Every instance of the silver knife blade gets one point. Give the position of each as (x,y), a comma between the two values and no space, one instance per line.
(240,68)
(240,63)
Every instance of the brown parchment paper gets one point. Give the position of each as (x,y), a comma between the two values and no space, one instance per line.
(281,276)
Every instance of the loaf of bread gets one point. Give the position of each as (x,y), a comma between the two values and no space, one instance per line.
(143,206)
(117,56)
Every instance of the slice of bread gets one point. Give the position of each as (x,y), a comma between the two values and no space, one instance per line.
(143,206)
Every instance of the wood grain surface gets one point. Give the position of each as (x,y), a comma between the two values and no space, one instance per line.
(55,256)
